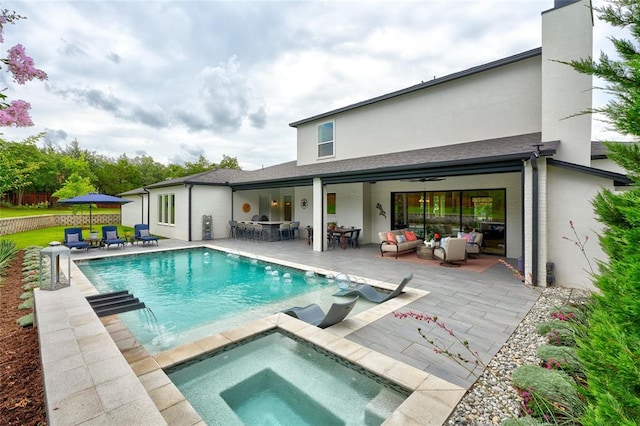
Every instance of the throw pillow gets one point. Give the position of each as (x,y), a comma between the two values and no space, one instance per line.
(400,239)
(73,238)
(410,235)
(467,237)
(144,232)
(112,235)
(391,237)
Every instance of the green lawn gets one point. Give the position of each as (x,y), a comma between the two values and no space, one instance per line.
(6,212)
(42,237)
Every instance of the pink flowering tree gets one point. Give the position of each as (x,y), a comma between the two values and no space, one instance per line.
(16,112)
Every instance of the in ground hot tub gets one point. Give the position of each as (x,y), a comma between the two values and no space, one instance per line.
(277,378)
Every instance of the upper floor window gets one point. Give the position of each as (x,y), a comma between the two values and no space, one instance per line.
(325,140)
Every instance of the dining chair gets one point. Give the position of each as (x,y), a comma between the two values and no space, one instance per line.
(354,239)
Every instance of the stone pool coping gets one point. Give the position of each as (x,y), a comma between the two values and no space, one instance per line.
(94,369)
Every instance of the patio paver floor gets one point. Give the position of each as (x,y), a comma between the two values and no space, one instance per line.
(483,308)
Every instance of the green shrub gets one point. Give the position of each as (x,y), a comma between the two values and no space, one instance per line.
(525,421)
(8,251)
(30,286)
(612,367)
(560,357)
(570,313)
(550,395)
(26,320)
(561,337)
(543,328)
(27,304)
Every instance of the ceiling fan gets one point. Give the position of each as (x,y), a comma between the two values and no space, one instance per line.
(424,179)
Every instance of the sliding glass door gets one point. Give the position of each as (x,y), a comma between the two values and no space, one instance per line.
(449,212)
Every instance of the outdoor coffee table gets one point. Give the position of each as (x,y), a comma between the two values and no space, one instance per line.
(425,252)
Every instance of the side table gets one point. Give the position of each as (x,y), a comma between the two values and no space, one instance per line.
(425,252)
(95,242)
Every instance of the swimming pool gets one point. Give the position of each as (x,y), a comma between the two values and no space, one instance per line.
(196,292)
(276,378)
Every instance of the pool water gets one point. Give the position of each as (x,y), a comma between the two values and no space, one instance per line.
(189,290)
(277,379)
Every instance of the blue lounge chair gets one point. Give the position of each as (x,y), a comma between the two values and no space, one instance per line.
(314,315)
(110,236)
(374,295)
(142,234)
(73,239)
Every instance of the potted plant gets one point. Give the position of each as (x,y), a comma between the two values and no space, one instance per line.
(332,225)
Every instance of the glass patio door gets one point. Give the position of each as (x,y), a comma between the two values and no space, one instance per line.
(449,212)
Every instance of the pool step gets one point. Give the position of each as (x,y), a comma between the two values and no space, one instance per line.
(114,303)
(381,407)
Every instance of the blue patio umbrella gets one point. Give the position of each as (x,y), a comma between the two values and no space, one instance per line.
(94,198)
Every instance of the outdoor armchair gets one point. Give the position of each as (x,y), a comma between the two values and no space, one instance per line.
(474,243)
(452,251)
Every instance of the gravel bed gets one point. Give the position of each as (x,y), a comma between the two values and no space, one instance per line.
(492,399)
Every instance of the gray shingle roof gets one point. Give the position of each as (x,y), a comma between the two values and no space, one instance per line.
(212,177)
(513,147)
(416,162)
(420,160)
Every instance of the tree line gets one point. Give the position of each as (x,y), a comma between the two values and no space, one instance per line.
(25,167)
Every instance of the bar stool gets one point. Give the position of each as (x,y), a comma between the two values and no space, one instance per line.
(284,232)
(295,226)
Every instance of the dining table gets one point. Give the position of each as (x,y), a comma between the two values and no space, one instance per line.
(344,233)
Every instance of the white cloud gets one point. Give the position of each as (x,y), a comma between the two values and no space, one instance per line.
(175,80)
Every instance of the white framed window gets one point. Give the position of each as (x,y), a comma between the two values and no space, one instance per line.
(326,136)
(166,209)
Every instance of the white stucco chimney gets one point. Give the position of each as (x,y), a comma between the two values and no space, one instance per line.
(567,34)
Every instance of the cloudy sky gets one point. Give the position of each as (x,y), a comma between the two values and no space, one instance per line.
(176,79)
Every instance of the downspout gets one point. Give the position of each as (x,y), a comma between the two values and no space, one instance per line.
(534,216)
(189,214)
(148,207)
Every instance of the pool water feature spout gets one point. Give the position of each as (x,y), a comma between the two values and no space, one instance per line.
(163,335)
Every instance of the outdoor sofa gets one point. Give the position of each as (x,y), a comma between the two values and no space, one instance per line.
(398,241)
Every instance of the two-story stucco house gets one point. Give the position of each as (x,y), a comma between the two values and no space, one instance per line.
(497,148)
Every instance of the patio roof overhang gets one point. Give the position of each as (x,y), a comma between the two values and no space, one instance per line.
(618,178)
(504,164)
(454,168)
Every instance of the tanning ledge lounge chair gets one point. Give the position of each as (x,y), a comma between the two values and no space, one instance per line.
(374,295)
(110,236)
(314,315)
(142,234)
(73,239)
